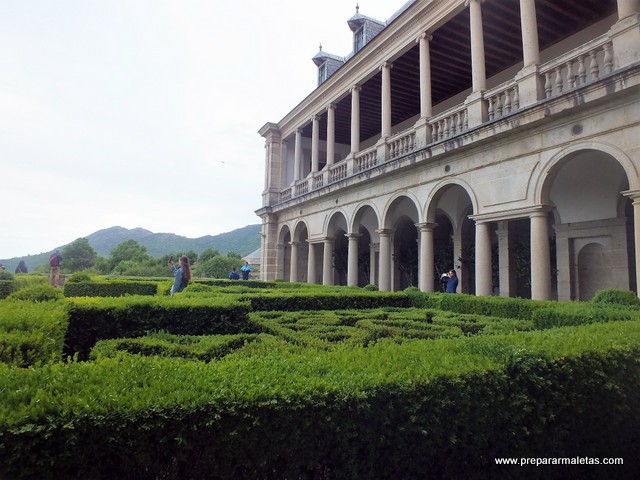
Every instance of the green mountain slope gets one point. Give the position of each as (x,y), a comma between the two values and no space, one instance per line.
(243,240)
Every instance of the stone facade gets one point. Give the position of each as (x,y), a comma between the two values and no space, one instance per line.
(520,173)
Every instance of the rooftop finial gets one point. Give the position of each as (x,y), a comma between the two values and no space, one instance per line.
(321,47)
(357,7)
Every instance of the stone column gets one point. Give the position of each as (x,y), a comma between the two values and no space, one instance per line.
(504,255)
(529,25)
(297,166)
(327,262)
(352,262)
(293,268)
(385,68)
(427,260)
(635,196)
(478,74)
(484,285)
(625,34)
(425,75)
(627,8)
(311,263)
(540,257)
(355,119)
(331,134)
(384,279)
(315,143)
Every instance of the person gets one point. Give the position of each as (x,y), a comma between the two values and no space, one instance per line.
(181,275)
(22,267)
(444,280)
(234,274)
(54,272)
(452,283)
(245,271)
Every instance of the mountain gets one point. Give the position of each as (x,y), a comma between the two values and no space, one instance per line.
(242,240)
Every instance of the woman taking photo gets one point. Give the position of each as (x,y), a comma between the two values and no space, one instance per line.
(181,275)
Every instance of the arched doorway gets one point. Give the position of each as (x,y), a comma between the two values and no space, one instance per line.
(593,224)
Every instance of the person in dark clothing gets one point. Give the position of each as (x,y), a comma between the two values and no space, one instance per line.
(22,267)
(452,283)
(234,274)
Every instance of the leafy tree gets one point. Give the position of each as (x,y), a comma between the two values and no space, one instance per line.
(78,255)
(216,267)
(127,250)
(234,255)
(208,253)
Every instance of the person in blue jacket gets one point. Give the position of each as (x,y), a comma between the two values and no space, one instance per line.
(234,274)
(452,283)
(245,269)
(181,274)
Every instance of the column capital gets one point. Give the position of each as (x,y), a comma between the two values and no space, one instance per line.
(632,194)
(384,232)
(424,36)
(328,239)
(294,244)
(426,226)
(315,117)
(355,88)
(468,2)
(386,64)
(352,235)
(330,106)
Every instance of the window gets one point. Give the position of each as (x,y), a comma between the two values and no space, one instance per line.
(358,40)
(322,73)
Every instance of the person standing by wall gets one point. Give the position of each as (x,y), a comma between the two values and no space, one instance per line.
(54,268)
(181,274)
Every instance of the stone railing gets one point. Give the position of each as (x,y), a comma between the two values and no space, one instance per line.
(338,172)
(302,187)
(285,194)
(402,144)
(502,100)
(318,180)
(449,123)
(365,160)
(578,67)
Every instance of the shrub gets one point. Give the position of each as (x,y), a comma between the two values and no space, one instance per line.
(616,297)
(371,287)
(37,293)
(5,275)
(79,277)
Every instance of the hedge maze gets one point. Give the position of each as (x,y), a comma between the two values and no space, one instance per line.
(270,380)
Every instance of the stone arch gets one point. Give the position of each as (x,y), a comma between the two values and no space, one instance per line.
(300,262)
(283,261)
(336,229)
(402,215)
(365,223)
(583,186)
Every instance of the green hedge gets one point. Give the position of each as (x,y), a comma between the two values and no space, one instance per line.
(93,319)
(31,333)
(578,313)
(325,300)
(441,409)
(112,288)
(204,348)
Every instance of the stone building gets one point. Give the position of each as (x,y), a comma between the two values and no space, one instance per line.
(497,137)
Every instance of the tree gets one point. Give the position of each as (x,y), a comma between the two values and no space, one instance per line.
(216,267)
(127,250)
(78,255)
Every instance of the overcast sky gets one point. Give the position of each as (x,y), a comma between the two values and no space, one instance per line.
(144,113)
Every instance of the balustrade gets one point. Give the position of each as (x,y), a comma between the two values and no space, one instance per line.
(366,160)
(450,123)
(578,68)
(502,102)
(337,172)
(402,144)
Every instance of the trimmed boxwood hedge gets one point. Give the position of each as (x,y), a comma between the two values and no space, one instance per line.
(93,319)
(111,288)
(444,409)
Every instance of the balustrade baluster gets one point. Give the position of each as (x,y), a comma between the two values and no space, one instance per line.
(582,71)
(507,103)
(547,85)
(594,69)
(516,99)
(571,81)
(559,80)
(608,58)
(434,132)
(498,106)
(491,110)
